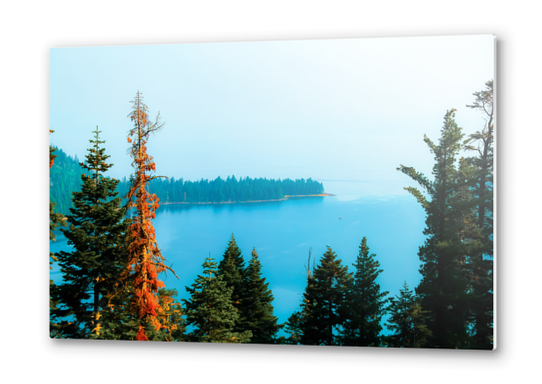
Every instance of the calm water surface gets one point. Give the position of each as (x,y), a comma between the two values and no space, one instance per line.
(284,232)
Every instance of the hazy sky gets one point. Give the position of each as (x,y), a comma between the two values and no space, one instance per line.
(339,109)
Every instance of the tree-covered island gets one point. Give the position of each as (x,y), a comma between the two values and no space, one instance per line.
(65,179)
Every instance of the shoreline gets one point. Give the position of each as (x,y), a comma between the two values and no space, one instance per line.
(286,197)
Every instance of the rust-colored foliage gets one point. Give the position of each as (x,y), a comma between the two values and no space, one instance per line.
(51,156)
(145,260)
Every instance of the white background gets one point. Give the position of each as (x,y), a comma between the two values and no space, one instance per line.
(29,29)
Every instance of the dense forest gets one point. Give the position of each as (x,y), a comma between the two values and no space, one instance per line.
(65,178)
(229,190)
(111,287)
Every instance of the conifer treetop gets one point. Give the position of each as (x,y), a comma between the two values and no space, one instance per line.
(145,259)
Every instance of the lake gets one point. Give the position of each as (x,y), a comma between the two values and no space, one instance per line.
(284,232)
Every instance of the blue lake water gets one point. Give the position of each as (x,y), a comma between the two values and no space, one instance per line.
(284,232)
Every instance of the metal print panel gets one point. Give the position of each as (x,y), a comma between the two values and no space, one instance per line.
(320,192)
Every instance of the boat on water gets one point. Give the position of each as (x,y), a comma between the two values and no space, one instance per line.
(340,218)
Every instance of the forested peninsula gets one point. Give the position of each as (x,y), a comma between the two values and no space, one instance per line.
(66,178)
(229,190)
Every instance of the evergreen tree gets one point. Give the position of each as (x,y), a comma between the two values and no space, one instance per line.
(233,272)
(145,261)
(96,232)
(365,302)
(480,232)
(293,328)
(324,303)
(444,289)
(258,304)
(170,315)
(407,321)
(210,309)
(116,321)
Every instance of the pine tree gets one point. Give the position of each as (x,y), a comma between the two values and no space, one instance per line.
(293,328)
(365,302)
(210,309)
(145,261)
(96,231)
(233,271)
(324,302)
(480,233)
(170,315)
(116,321)
(407,321)
(258,304)
(443,289)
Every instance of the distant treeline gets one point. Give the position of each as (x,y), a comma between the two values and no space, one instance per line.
(65,178)
(228,190)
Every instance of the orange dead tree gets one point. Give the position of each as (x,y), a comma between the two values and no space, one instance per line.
(145,262)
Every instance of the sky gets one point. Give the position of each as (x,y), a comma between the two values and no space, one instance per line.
(336,109)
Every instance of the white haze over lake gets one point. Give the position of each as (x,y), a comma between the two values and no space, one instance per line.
(338,109)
